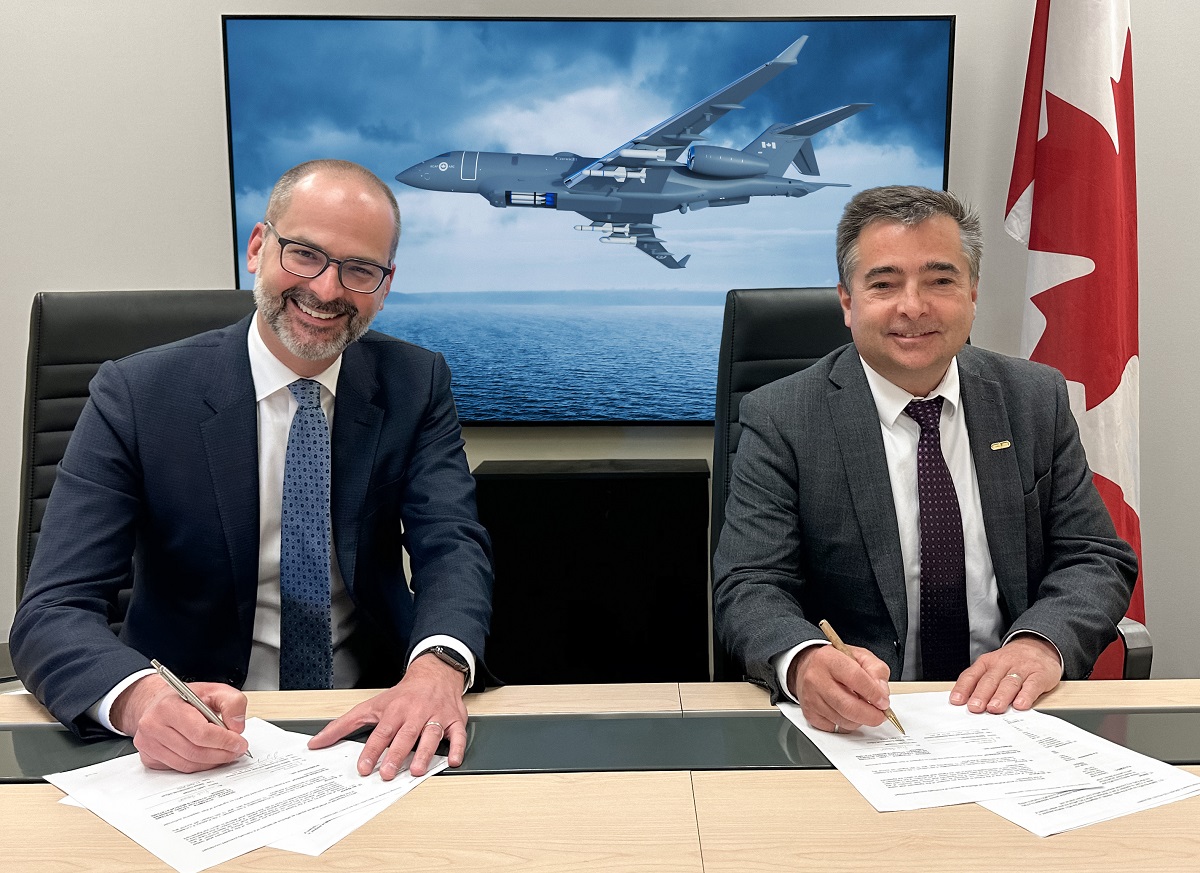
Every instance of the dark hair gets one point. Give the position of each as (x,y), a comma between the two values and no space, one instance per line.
(906,204)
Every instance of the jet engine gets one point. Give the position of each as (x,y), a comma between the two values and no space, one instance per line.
(724,163)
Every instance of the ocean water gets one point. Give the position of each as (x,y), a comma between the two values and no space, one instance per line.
(566,361)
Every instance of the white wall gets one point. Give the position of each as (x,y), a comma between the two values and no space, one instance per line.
(114,174)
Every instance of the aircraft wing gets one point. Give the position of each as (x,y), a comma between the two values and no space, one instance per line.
(653,246)
(634,230)
(665,141)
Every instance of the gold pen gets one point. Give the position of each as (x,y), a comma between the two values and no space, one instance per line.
(189,695)
(831,635)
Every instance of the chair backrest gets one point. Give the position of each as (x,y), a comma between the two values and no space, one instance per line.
(768,333)
(71,333)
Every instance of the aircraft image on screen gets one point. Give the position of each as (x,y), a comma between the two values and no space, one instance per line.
(621,192)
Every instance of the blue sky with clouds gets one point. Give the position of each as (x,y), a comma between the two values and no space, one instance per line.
(391,93)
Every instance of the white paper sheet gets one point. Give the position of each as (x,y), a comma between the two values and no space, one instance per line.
(1129,781)
(195,821)
(318,837)
(948,755)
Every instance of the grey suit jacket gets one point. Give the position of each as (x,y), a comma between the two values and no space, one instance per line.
(810,523)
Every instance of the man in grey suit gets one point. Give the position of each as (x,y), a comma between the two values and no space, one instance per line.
(1006,581)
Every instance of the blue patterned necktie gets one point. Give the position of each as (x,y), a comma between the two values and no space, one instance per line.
(945,632)
(305,647)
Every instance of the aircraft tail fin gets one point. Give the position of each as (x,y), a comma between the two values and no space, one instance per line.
(806,160)
(783,144)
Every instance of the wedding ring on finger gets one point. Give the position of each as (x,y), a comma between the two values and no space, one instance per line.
(435,724)
(1016,676)
(837,728)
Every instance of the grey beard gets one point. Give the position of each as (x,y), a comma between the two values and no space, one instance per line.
(272,309)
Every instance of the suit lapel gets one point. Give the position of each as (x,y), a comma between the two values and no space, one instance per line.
(856,423)
(230,438)
(999,478)
(357,424)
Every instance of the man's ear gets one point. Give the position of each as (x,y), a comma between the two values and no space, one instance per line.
(844,298)
(254,246)
(386,287)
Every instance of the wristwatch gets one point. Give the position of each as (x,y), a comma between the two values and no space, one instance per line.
(447,655)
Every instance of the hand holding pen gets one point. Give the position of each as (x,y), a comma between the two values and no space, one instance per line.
(839,688)
(182,689)
(168,736)
(831,635)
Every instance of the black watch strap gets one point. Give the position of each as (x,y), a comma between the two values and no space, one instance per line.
(447,655)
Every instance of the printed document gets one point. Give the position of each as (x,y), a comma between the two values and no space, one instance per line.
(1129,781)
(288,796)
(948,755)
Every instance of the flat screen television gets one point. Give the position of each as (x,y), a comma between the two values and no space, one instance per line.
(559,179)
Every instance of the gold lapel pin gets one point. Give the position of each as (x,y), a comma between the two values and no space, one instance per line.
(1003,444)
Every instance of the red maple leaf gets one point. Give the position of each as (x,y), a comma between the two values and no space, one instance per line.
(1085,204)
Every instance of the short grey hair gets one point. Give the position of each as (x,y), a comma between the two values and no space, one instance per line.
(905,204)
(281,194)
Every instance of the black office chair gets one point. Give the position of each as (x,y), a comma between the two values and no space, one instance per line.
(770,333)
(71,333)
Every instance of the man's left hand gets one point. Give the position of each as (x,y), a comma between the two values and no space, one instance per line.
(1016,674)
(416,713)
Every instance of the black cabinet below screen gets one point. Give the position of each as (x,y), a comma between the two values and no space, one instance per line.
(601,570)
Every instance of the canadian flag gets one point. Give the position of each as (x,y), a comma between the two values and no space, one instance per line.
(1072,201)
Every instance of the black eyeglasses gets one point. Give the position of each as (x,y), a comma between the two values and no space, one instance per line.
(308,262)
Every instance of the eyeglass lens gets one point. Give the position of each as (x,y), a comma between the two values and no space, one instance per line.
(307,262)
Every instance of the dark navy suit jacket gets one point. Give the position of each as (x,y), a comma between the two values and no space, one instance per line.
(160,482)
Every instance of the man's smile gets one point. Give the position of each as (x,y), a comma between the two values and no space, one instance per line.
(912,334)
(314,313)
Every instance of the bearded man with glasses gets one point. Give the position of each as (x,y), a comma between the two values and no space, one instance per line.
(261,484)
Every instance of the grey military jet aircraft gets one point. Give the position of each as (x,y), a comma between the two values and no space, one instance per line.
(621,192)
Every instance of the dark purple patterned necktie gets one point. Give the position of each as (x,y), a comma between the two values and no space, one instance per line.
(945,635)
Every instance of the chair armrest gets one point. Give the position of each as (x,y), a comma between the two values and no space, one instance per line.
(1138,649)
(7,673)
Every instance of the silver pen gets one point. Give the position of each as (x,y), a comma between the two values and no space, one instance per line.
(189,695)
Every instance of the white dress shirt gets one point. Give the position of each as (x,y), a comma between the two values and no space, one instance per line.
(900,436)
(276,407)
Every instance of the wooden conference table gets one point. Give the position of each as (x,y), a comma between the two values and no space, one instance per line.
(730,820)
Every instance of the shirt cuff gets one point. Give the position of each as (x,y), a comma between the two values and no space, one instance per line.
(1021,633)
(782,663)
(450,643)
(99,711)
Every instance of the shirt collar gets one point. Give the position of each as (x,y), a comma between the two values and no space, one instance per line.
(270,374)
(890,399)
